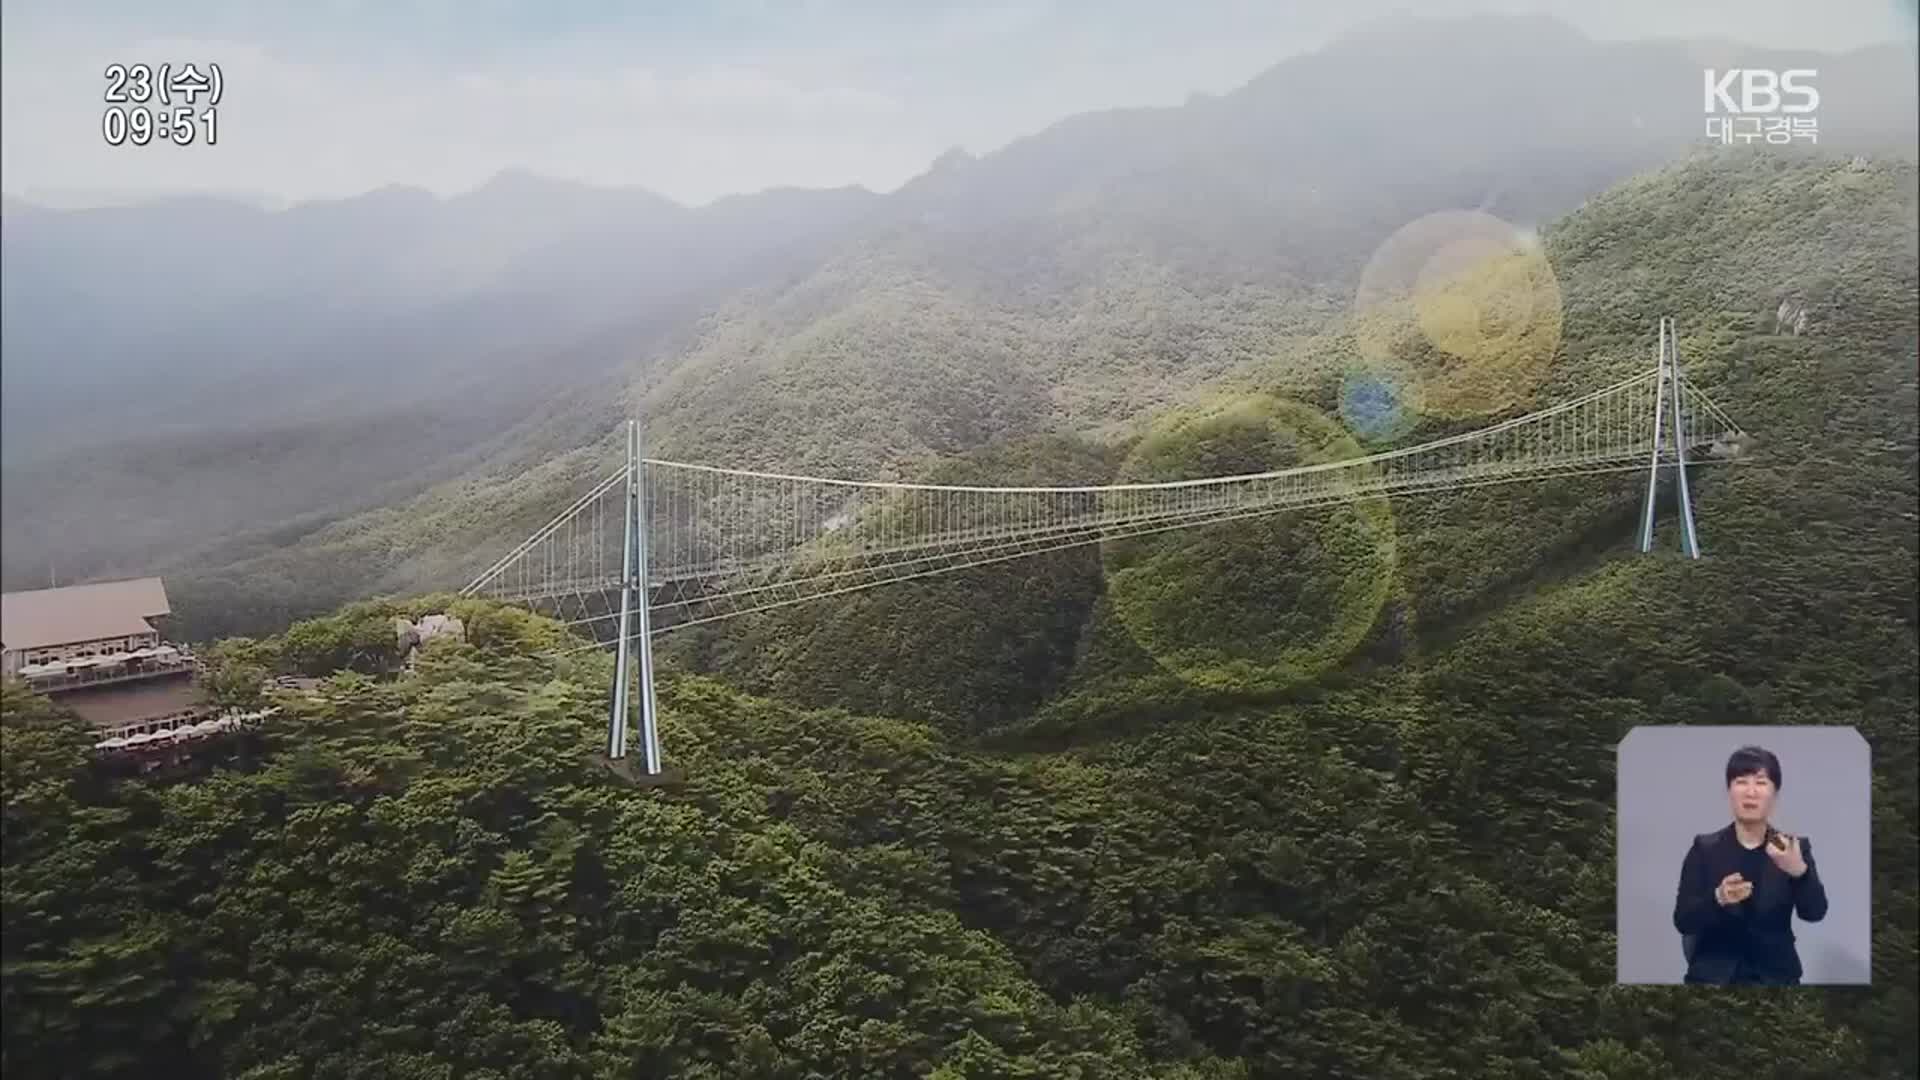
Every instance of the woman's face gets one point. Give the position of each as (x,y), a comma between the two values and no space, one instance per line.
(1751,797)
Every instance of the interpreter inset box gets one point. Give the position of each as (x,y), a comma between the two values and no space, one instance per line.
(1744,856)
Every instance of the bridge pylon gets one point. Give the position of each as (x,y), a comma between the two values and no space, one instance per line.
(635,642)
(1669,444)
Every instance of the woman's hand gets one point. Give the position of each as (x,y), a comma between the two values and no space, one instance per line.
(1784,850)
(1732,889)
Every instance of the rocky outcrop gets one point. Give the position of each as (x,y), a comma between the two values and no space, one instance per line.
(1790,317)
(410,636)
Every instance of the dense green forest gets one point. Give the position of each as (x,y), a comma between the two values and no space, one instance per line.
(1327,795)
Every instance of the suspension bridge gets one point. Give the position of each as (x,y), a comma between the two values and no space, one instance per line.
(661,545)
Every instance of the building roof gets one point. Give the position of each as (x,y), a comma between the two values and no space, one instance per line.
(113,706)
(75,613)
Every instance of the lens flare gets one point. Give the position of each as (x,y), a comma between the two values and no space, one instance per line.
(1461,311)
(1260,604)
(1373,402)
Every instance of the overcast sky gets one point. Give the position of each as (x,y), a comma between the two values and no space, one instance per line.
(693,100)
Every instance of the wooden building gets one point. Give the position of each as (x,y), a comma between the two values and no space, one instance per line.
(99,650)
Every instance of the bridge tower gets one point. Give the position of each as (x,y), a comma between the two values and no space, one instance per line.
(1669,442)
(635,642)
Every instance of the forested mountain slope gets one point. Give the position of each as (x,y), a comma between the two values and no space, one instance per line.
(1405,875)
(1093,816)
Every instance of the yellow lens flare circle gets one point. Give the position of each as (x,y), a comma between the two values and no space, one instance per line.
(1263,603)
(1465,309)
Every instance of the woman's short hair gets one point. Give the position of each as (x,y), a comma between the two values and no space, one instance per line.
(1752,759)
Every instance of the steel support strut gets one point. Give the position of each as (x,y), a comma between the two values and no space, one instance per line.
(642,600)
(617,723)
(1690,537)
(1659,428)
(1675,429)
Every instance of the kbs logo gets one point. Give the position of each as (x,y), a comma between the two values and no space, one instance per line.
(1749,104)
(1761,91)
